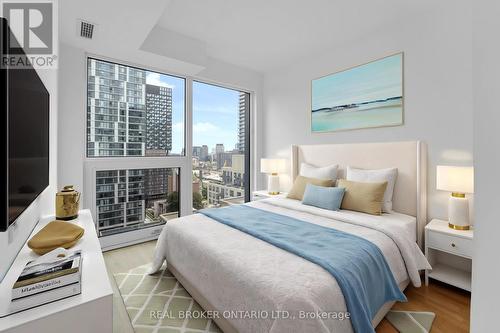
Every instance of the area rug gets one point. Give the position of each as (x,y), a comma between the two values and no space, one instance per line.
(155,303)
(410,321)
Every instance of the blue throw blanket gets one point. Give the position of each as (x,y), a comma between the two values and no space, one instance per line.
(357,264)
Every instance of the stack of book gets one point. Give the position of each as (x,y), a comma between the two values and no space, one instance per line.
(46,282)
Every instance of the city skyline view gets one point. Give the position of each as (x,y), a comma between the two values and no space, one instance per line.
(135,112)
(209,101)
(219,157)
(215,116)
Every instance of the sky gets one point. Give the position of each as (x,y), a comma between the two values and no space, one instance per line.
(215,112)
(380,79)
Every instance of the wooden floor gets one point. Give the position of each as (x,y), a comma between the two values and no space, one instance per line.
(451,305)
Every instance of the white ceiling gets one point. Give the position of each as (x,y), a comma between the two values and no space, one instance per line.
(266,34)
(262,35)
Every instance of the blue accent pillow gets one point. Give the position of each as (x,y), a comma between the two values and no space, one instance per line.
(323,197)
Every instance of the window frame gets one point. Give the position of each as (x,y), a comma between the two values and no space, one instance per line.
(183,162)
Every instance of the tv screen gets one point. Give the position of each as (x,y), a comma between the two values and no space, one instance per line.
(27,111)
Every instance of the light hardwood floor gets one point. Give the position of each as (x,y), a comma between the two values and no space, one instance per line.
(451,305)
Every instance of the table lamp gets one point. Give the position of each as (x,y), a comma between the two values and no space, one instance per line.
(273,166)
(458,181)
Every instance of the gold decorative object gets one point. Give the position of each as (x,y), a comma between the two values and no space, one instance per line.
(67,203)
(459,227)
(55,234)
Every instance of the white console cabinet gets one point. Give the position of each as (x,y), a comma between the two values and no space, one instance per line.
(91,311)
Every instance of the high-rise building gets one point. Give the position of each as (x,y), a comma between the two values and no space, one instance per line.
(126,198)
(197,151)
(244,104)
(204,153)
(119,199)
(156,183)
(173,182)
(219,148)
(158,120)
(116,114)
(156,191)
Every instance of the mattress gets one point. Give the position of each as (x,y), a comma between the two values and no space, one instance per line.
(238,274)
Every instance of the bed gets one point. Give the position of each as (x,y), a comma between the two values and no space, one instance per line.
(256,285)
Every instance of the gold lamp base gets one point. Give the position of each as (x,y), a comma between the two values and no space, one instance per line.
(459,227)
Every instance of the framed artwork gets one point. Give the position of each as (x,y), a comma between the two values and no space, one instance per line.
(365,96)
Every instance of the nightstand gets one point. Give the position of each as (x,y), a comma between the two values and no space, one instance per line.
(263,194)
(449,252)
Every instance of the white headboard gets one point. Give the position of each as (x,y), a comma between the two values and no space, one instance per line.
(410,157)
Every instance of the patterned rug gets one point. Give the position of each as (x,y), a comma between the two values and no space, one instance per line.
(154,302)
(410,321)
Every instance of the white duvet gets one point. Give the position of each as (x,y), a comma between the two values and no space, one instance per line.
(237,272)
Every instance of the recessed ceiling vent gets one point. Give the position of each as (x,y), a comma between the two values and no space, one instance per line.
(86,29)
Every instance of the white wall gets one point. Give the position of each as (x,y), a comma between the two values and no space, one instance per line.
(485,268)
(14,238)
(72,102)
(72,106)
(437,91)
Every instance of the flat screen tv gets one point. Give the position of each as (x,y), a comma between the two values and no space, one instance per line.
(25,104)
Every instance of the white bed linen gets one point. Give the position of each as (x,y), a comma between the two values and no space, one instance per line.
(406,222)
(237,272)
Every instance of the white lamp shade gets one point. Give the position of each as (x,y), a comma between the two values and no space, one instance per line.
(455,179)
(272,165)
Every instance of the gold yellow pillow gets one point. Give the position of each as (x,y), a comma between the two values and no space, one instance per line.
(363,196)
(55,234)
(299,186)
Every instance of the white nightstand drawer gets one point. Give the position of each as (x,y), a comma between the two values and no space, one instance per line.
(449,252)
(456,245)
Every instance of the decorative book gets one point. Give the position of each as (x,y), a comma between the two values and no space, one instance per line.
(46,282)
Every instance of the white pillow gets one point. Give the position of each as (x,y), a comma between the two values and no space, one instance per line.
(328,172)
(381,175)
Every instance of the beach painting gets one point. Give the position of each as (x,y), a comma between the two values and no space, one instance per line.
(369,95)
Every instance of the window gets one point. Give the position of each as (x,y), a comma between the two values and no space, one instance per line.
(137,167)
(220,146)
(133,112)
(136,116)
